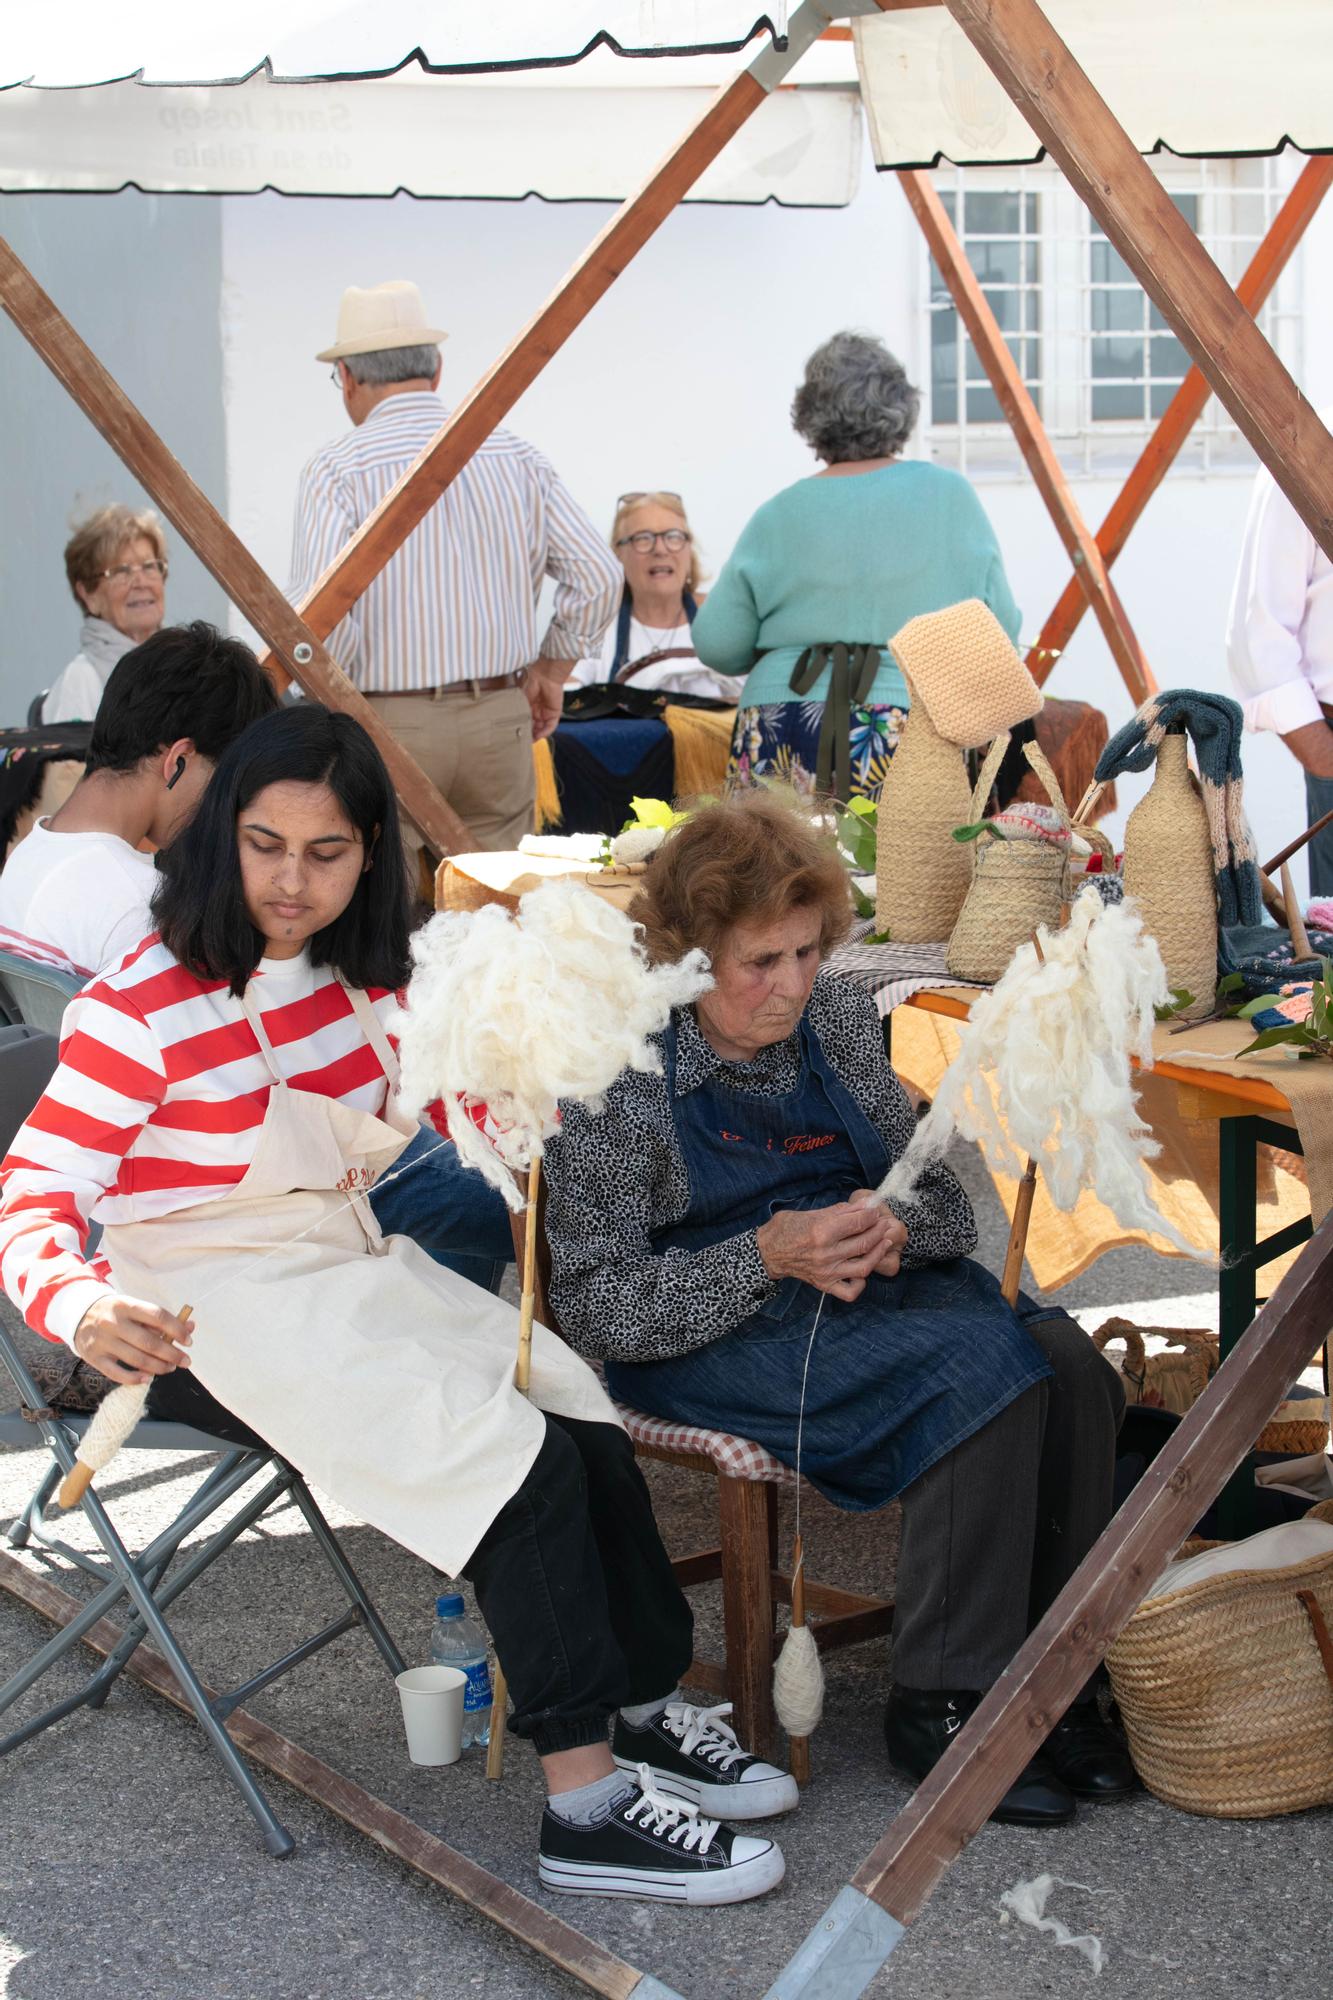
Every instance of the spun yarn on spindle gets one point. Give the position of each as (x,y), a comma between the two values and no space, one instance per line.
(798,1683)
(513,1012)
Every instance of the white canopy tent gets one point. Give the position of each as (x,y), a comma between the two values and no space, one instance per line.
(1236,76)
(584,133)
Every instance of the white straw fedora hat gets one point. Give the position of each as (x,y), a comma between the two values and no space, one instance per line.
(381,316)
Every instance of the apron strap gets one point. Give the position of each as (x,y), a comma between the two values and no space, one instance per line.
(373,1029)
(256,1020)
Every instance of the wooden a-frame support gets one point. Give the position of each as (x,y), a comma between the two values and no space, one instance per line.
(1183,411)
(1012,394)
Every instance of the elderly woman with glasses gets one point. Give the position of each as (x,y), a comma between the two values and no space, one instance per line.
(829,569)
(715,1241)
(649,644)
(116,563)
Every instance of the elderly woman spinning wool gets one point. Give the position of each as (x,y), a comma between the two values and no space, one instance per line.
(699,1220)
(226,1098)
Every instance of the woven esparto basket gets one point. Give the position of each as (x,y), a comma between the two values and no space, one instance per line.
(1224,1693)
(1171,1380)
(1296,1428)
(921,872)
(1016,884)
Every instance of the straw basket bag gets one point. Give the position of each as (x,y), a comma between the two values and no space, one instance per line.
(1016,884)
(921,872)
(1224,1676)
(1169,870)
(1172,1380)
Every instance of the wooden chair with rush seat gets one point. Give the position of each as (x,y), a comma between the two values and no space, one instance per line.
(744,1558)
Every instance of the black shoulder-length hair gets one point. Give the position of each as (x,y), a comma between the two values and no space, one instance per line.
(199,906)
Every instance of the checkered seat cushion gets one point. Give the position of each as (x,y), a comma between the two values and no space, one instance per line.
(734,1457)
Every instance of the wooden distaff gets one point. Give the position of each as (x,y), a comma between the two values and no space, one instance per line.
(1018,1228)
(117,1414)
(495,1752)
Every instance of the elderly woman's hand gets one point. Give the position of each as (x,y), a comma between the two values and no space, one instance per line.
(130,1340)
(890,1263)
(834,1249)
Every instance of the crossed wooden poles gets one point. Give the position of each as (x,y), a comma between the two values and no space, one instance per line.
(1233,360)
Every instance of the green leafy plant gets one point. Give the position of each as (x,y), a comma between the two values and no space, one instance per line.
(855,829)
(1181,998)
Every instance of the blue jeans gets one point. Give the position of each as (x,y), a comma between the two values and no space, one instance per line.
(1318,801)
(449,1211)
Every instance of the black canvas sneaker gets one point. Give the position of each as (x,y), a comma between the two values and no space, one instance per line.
(651,1846)
(693,1755)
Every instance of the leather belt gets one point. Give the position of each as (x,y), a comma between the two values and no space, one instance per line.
(492,684)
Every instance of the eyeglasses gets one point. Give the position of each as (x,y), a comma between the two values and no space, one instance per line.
(336,375)
(126,572)
(645,542)
(650,494)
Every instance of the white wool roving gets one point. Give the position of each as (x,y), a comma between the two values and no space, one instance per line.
(514,1013)
(1054,1038)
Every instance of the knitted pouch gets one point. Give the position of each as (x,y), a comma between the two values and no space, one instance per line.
(921,873)
(963,666)
(1016,884)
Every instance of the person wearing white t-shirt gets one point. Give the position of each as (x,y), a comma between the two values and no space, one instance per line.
(649,645)
(75,892)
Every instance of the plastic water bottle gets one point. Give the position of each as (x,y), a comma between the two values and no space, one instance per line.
(456,1642)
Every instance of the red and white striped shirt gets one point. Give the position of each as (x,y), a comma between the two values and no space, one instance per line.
(157,1105)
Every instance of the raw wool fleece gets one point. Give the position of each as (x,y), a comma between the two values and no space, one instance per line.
(513,1013)
(1056,1038)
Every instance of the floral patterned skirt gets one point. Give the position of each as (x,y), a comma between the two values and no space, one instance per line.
(780,740)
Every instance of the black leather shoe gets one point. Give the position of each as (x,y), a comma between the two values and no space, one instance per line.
(920,1724)
(1090,1757)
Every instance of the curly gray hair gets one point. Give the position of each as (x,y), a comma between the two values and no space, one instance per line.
(855,400)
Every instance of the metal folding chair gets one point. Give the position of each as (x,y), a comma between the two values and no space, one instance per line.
(35,993)
(153,1579)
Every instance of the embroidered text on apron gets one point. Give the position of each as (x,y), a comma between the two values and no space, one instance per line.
(897,1377)
(384,1377)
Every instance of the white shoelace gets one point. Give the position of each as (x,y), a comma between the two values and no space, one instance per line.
(682,1824)
(703,1733)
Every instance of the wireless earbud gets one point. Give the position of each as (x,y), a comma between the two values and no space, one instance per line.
(177,774)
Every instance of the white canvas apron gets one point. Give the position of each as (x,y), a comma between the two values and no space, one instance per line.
(384,1377)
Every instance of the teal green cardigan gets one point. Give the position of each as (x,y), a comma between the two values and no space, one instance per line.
(849,557)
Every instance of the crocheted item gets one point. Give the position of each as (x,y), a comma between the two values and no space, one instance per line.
(1214,724)
(962,664)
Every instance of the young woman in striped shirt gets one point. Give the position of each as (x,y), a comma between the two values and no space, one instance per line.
(224,1102)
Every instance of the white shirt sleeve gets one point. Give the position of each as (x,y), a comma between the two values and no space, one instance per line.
(1267,640)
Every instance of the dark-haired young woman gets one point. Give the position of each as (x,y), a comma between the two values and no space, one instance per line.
(224,1101)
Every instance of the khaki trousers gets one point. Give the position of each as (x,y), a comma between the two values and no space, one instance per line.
(476,749)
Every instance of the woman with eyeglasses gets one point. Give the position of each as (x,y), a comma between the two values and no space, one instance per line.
(648,646)
(829,569)
(116,563)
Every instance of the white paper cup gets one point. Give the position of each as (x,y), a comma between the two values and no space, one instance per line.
(432,1699)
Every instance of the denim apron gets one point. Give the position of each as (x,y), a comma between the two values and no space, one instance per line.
(897,1377)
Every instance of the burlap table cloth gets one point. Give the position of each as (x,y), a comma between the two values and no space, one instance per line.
(1185,1176)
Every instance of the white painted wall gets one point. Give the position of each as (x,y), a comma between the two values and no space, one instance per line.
(682,377)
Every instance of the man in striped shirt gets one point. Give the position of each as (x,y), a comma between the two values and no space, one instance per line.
(444,641)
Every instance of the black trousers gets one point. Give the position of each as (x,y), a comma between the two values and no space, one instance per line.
(993,1531)
(571,1576)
